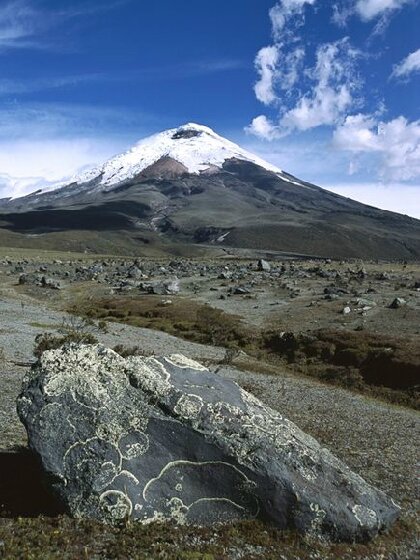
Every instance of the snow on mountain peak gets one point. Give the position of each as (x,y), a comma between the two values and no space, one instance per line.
(195,146)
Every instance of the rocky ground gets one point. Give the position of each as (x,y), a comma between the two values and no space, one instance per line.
(373,437)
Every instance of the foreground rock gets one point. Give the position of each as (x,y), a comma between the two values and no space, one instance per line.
(164,438)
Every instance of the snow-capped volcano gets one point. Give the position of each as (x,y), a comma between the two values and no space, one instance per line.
(196,147)
(188,185)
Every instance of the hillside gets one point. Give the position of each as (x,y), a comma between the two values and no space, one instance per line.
(189,186)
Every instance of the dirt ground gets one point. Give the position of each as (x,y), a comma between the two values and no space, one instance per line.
(376,439)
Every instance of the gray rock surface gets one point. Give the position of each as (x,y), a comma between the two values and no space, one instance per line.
(263,265)
(397,303)
(164,438)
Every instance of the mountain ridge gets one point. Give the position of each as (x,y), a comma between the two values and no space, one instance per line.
(196,147)
(191,186)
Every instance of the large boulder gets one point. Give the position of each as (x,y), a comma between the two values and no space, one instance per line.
(165,438)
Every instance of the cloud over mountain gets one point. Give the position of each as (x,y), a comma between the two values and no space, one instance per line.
(307,86)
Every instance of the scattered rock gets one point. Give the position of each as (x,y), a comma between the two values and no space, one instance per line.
(398,302)
(50,283)
(362,302)
(240,290)
(30,278)
(134,272)
(170,287)
(263,266)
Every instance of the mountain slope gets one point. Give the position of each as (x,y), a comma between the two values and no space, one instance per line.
(190,185)
(195,147)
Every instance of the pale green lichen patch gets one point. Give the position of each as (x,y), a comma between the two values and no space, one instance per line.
(166,439)
(365,516)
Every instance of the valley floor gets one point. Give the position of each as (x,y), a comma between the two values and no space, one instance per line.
(376,439)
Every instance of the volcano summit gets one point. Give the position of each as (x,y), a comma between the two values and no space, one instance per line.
(191,186)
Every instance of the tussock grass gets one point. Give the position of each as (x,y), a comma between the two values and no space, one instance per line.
(382,366)
(385,367)
(66,539)
(72,331)
(182,317)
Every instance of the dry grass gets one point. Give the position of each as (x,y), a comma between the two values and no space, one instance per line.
(385,367)
(72,331)
(67,539)
(182,317)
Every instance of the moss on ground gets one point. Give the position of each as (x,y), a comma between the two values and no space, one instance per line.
(67,539)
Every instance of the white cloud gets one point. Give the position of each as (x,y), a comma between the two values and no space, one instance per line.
(65,120)
(342,12)
(316,161)
(278,67)
(22,23)
(357,134)
(328,98)
(400,197)
(185,70)
(289,69)
(263,128)
(8,87)
(283,11)
(13,187)
(409,65)
(306,95)
(277,71)
(40,144)
(331,96)
(311,158)
(28,165)
(370,9)
(396,144)
(325,105)
(52,159)
(266,65)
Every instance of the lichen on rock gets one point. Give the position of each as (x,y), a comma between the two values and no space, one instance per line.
(165,438)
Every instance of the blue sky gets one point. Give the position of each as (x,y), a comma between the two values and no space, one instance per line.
(327,90)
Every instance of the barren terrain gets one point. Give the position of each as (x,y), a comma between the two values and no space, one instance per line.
(162,307)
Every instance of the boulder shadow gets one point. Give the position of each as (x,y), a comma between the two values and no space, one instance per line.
(23,492)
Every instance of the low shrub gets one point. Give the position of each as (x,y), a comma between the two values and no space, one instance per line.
(381,365)
(220,329)
(49,341)
(73,329)
(184,318)
(126,351)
